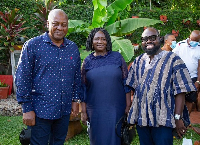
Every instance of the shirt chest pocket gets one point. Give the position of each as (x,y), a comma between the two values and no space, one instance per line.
(69,65)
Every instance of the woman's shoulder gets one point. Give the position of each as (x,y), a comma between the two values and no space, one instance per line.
(115,53)
(89,57)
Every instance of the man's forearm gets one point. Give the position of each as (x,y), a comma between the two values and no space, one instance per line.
(179,103)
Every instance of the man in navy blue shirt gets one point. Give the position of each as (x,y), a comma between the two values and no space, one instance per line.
(48,81)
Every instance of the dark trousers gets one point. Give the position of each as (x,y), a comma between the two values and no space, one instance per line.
(52,132)
(155,135)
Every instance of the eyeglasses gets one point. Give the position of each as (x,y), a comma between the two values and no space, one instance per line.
(151,38)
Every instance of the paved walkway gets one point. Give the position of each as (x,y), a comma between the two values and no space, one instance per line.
(195,117)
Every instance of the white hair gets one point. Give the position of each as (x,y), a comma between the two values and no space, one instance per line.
(53,12)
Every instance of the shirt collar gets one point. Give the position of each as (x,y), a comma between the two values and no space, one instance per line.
(99,56)
(154,60)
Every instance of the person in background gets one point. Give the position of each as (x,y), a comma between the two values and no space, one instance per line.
(189,52)
(159,80)
(169,42)
(107,98)
(48,80)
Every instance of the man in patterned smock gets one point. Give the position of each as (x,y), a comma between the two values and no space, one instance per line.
(48,80)
(159,80)
(189,52)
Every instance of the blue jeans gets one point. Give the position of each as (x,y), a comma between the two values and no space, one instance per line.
(155,135)
(52,132)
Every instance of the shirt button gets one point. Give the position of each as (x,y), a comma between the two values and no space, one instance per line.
(62,80)
(61,69)
(60,58)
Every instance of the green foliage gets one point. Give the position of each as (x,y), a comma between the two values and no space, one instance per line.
(78,26)
(12,25)
(105,16)
(26,8)
(123,46)
(175,22)
(2,84)
(114,8)
(42,13)
(81,13)
(11,28)
(129,25)
(4,58)
(10,129)
(99,13)
(169,4)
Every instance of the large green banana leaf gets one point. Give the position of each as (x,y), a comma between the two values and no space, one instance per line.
(83,53)
(124,46)
(129,25)
(99,15)
(102,16)
(114,8)
(78,26)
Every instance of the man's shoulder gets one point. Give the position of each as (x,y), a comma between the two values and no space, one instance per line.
(36,39)
(69,41)
(141,56)
(182,42)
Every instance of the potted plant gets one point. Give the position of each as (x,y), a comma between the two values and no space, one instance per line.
(11,27)
(3,90)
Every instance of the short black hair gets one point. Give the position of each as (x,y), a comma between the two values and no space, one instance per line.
(91,36)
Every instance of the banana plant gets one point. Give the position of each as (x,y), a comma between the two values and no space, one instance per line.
(106,16)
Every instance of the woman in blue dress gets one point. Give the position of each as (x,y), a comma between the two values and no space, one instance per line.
(106,98)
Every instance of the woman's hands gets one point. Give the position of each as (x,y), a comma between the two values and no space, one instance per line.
(128,102)
(84,117)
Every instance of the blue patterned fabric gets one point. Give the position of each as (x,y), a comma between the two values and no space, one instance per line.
(48,77)
(156,84)
(105,96)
